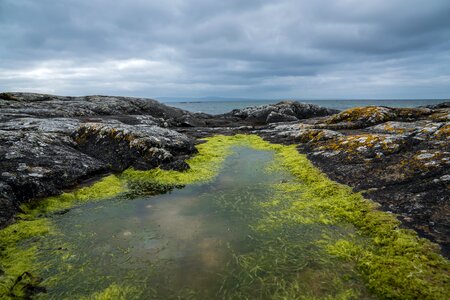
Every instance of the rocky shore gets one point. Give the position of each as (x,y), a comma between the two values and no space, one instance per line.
(398,157)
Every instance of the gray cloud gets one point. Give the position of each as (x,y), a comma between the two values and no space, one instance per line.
(234,48)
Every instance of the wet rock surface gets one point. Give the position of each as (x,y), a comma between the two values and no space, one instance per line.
(398,157)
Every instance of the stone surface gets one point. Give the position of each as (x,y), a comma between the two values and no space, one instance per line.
(139,146)
(284,111)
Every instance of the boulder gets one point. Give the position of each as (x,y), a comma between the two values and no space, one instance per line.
(142,147)
(285,111)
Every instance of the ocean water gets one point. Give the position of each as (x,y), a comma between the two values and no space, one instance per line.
(219,107)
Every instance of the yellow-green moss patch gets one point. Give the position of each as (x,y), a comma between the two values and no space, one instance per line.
(116,292)
(17,261)
(354,144)
(203,167)
(107,187)
(369,114)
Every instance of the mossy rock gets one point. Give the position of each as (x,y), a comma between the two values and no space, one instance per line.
(369,115)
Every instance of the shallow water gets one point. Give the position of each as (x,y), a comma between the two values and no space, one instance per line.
(200,241)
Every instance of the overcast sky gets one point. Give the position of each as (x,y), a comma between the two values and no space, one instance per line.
(231,48)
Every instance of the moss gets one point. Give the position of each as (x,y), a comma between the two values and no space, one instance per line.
(107,187)
(370,114)
(377,114)
(116,292)
(354,144)
(443,133)
(395,262)
(203,167)
(17,260)
(315,135)
(392,128)
(412,113)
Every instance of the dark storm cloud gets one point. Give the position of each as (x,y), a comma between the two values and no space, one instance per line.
(252,48)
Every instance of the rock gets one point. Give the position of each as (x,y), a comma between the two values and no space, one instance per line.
(440,105)
(49,143)
(8,204)
(284,111)
(275,117)
(16,105)
(362,117)
(37,164)
(141,147)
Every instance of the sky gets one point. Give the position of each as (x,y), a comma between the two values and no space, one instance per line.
(302,49)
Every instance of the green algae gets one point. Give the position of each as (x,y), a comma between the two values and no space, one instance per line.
(16,260)
(203,167)
(116,292)
(105,188)
(394,262)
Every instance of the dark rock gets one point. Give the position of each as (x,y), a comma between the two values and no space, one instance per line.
(281,112)
(177,165)
(275,117)
(47,143)
(440,105)
(121,146)
(50,106)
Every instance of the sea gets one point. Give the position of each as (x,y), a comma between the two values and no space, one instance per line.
(220,107)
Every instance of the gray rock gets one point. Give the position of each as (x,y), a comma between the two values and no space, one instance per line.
(275,117)
(49,143)
(280,112)
(140,146)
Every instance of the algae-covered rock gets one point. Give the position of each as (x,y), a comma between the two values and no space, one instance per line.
(361,117)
